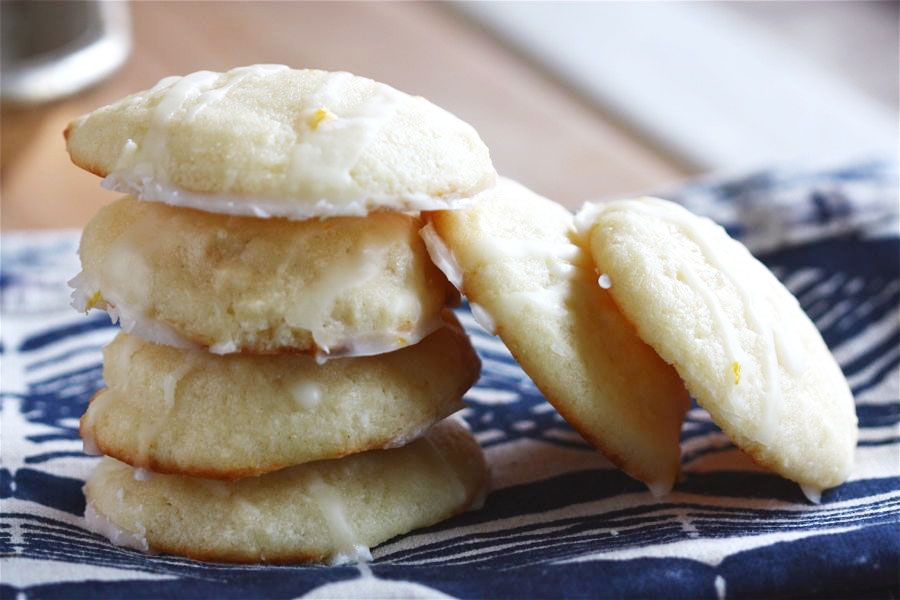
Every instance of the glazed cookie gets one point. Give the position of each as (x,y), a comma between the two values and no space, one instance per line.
(515,258)
(745,349)
(343,286)
(322,511)
(267,140)
(225,417)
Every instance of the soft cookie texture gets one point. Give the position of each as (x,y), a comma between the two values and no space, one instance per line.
(342,286)
(267,140)
(517,261)
(192,413)
(745,349)
(322,511)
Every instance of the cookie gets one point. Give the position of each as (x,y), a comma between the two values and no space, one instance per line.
(743,346)
(192,413)
(343,286)
(267,140)
(323,511)
(516,258)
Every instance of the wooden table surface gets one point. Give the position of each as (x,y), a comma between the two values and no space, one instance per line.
(538,131)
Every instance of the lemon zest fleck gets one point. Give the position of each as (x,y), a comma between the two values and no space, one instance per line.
(736,367)
(321,114)
(93,301)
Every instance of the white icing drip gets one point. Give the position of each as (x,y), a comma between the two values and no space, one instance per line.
(565,263)
(228,347)
(296,208)
(406,439)
(131,320)
(150,158)
(479,499)
(327,499)
(790,353)
(100,524)
(658,488)
(813,493)
(89,444)
(730,341)
(586,218)
(312,310)
(483,318)
(148,433)
(373,344)
(326,150)
(306,394)
(142,474)
(171,380)
(604,281)
(442,256)
(688,224)
(126,155)
(562,259)
(214,95)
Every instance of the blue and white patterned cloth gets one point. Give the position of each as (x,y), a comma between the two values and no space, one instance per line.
(561,521)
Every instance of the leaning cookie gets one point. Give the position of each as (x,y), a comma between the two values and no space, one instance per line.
(323,511)
(225,417)
(267,140)
(515,258)
(343,286)
(745,349)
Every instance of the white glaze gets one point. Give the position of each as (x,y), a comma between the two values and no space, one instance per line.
(149,159)
(322,159)
(813,493)
(328,501)
(408,438)
(149,432)
(295,208)
(562,259)
(442,256)
(658,489)
(210,97)
(306,394)
(227,347)
(327,149)
(98,523)
(483,318)
(131,320)
(89,444)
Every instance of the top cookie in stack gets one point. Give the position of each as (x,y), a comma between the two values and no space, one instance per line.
(281,230)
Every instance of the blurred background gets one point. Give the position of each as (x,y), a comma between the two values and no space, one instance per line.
(577,100)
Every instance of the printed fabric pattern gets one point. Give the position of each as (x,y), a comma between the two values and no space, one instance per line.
(561,521)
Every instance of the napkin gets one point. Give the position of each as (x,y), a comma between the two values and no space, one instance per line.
(561,521)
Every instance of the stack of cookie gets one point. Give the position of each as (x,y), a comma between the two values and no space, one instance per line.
(281,318)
